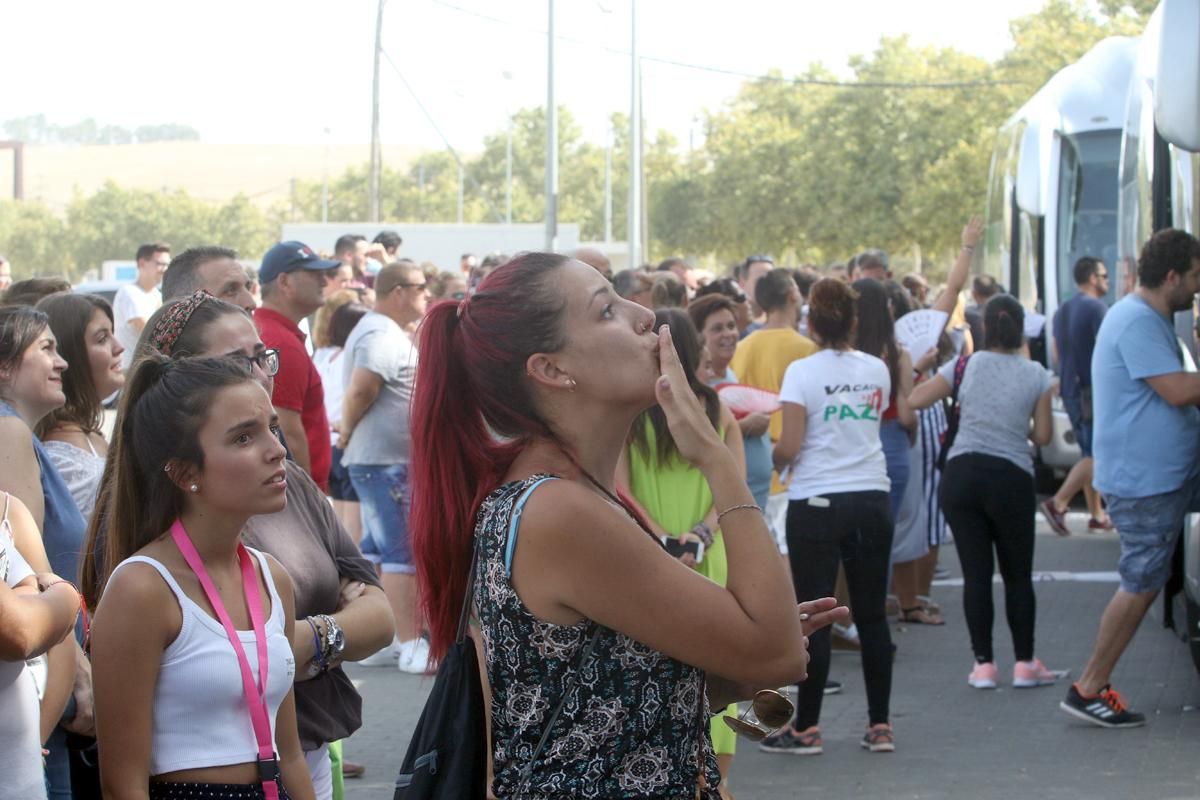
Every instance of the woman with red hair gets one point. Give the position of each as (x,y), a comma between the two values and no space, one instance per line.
(534,383)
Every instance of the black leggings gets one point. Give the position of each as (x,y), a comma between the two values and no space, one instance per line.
(855,528)
(990,505)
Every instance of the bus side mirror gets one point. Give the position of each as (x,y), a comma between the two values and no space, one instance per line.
(1177,75)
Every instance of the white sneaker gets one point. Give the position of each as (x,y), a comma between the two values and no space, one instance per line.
(414,657)
(382,658)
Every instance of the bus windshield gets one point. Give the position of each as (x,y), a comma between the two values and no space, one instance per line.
(1087,212)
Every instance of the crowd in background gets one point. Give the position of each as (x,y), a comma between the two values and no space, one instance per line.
(263,425)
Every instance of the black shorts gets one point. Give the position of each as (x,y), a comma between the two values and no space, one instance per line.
(340,487)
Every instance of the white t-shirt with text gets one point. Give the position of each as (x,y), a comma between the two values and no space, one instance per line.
(844,393)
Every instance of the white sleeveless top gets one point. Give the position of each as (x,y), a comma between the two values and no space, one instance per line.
(20,711)
(200,716)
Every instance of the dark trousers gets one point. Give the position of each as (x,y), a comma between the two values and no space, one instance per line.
(855,529)
(990,505)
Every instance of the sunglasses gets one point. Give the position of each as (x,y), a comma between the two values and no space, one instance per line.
(769,712)
(267,361)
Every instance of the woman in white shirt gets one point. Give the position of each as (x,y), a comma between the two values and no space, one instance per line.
(186,706)
(72,434)
(838,507)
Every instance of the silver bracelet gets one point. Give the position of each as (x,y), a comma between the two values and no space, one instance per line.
(731,509)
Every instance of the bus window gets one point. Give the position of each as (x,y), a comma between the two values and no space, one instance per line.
(1087,211)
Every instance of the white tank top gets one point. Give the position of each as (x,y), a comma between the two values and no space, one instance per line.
(200,716)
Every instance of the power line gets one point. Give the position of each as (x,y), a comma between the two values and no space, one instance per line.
(829,82)
(438,131)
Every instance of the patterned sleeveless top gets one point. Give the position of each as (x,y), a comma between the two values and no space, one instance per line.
(636,724)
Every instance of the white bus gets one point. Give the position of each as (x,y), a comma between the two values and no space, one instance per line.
(1160,188)
(1052,197)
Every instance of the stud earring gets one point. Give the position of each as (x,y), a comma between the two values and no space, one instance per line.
(194,488)
(571,384)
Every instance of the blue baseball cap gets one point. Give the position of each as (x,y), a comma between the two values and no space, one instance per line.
(289,257)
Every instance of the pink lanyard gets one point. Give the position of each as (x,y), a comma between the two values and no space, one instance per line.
(268,764)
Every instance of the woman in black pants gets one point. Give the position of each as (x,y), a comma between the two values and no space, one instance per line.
(838,509)
(987,490)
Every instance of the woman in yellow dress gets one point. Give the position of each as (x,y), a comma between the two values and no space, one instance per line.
(673,495)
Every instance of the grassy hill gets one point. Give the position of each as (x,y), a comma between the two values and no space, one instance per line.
(213,172)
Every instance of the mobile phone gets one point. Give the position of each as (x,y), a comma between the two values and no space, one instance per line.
(677,548)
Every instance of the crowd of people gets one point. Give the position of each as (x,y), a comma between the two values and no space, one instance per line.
(222,487)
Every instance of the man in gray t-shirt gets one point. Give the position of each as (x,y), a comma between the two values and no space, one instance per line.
(380,363)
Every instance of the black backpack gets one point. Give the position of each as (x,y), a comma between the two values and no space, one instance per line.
(447,757)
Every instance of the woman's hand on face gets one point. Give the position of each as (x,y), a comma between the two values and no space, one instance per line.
(694,434)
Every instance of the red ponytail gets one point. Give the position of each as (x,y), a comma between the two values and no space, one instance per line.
(472,413)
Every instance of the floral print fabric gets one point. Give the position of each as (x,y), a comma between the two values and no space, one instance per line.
(635,725)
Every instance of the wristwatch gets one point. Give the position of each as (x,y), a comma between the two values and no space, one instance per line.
(335,640)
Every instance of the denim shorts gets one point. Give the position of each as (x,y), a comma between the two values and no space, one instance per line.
(1148,528)
(385,499)
(1083,430)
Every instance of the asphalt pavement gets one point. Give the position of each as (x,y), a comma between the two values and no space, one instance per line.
(952,741)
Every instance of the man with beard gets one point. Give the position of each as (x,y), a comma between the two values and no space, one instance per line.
(1146,434)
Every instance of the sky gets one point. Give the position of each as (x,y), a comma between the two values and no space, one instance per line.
(271,72)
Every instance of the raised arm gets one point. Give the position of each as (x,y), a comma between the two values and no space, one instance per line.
(971,235)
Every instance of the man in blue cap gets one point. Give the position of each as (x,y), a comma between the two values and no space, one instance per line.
(293,281)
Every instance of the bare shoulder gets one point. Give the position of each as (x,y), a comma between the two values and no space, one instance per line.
(138,602)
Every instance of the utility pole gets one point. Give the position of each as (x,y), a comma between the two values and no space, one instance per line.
(508,153)
(376,150)
(608,186)
(461,177)
(551,140)
(325,181)
(634,232)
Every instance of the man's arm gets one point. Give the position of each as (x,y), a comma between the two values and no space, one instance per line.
(1177,388)
(360,394)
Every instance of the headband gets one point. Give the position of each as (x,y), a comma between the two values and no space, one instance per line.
(171,324)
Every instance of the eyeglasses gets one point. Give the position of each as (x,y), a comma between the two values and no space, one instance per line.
(267,361)
(769,711)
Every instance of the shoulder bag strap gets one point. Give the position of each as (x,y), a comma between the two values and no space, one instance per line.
(572,682)
(268,763)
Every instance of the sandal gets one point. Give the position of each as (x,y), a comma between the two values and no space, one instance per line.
(920,615)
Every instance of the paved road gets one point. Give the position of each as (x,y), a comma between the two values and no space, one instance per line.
(953,741)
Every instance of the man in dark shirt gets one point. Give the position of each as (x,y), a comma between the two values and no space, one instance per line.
(983,288)
(1075,327)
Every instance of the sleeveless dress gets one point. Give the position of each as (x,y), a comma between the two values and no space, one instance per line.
(676,496)
(635,725)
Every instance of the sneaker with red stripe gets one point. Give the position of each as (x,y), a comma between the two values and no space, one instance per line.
(1106,709)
